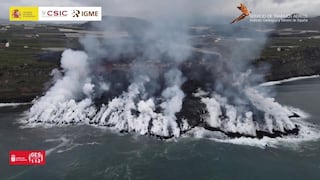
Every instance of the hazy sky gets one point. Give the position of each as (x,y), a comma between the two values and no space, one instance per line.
(177,8)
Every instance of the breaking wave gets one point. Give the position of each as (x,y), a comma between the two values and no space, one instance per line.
(13,104)
(272,83)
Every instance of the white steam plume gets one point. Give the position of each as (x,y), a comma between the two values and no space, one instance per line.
(144,100)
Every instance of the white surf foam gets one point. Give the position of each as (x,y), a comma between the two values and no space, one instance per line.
(64,142)
(308,132)
(13,104)
(272,83)
(276,118)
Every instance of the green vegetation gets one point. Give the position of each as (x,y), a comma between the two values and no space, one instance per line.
(288,46)
(21,74)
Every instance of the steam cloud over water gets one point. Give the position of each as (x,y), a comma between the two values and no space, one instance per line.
(159,85)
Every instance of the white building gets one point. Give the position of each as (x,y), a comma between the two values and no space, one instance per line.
(4,44)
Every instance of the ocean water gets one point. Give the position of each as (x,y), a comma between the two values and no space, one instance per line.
(84,152)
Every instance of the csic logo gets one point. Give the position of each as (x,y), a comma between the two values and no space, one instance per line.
(55,13)
(16,13)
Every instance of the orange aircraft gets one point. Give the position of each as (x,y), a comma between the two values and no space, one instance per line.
(245,13)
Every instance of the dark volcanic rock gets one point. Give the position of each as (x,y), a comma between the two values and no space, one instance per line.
(192,108)
(194,111)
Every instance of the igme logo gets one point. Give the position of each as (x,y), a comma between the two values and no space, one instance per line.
(78,13)
(90,13)
(75,13)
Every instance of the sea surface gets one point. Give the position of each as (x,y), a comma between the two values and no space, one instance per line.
(84,152)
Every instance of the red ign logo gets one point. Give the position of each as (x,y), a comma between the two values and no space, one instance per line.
(37,157)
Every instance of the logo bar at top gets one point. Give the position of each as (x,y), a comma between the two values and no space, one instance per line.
(48,13)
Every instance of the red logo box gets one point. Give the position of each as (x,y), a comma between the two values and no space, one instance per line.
(29,157)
